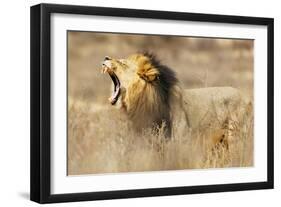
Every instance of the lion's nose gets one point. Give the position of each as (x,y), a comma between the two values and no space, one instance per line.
(107,58)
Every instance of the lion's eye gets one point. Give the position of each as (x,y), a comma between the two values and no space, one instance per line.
(123,63)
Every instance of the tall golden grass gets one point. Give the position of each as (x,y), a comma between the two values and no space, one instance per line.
(102,141)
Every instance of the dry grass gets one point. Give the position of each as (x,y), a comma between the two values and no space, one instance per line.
(94,148)
(100,140)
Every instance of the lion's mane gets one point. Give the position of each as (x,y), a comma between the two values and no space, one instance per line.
(147,103)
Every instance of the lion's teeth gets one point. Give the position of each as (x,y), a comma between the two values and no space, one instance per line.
(104,70)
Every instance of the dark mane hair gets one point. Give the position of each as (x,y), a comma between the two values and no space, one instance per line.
(167,78)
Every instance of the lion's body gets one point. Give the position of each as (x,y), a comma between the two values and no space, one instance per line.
(209,106)
(151,96)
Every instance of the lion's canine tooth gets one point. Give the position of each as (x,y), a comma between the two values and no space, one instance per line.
(104,70)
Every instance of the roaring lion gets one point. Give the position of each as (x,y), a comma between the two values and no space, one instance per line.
(150,95)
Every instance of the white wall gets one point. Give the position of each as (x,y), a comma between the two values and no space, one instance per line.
(14,101)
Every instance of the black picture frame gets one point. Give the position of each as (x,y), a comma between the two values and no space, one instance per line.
(41,102)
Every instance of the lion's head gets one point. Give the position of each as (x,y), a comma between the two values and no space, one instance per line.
(142,86)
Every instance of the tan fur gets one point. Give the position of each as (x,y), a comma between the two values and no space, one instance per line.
(151,96)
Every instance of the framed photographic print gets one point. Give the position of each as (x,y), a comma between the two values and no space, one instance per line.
(133,103)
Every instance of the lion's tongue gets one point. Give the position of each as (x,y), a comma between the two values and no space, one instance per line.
(115,95)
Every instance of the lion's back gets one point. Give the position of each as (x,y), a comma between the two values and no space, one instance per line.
(207,106)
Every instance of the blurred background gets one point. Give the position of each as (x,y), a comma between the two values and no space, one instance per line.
(198,62)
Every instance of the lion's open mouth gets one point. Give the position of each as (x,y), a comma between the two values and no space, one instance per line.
(116,92)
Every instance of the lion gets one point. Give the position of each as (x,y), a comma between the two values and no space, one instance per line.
(150,95)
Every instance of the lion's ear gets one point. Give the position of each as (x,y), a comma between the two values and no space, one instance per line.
(148,74)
